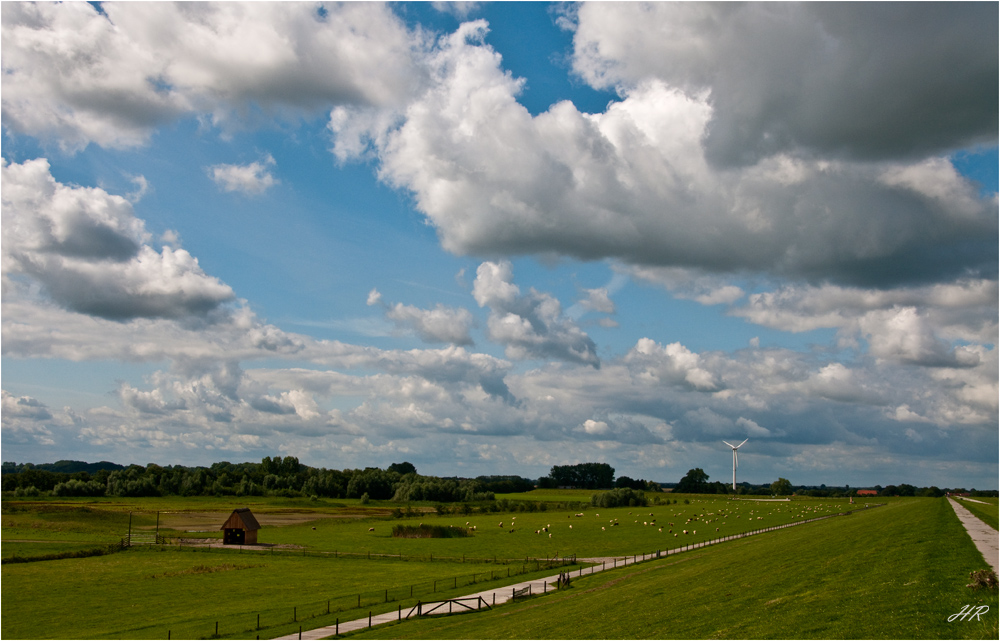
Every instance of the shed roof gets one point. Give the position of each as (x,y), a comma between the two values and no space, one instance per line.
(241,518)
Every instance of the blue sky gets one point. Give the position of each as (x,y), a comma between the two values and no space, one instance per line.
(492,238)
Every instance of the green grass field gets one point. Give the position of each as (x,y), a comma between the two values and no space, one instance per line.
(895,572)
(144,593)
(833,578)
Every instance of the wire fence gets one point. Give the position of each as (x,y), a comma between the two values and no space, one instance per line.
(321,610)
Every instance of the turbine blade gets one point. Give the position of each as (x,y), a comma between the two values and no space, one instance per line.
(744,441)
(728,443)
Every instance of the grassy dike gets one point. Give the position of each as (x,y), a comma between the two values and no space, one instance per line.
(898,571)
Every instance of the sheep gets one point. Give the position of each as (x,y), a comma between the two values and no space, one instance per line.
(602,528)
(571,527)
(685,531)
(661,529)
(501,524)
(371,529)
(550,535)
(314,528)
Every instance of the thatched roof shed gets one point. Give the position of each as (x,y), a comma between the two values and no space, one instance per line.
(240,528)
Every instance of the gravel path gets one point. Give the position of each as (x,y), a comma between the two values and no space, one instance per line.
(985,537)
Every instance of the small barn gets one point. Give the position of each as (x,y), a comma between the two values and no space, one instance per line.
(240,528)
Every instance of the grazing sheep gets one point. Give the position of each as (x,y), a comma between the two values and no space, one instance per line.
(571,527)
(501,523)
(675,535)
(602,528)
(550,535)
(371,529)
(685,531)
(661,529)
(314,528)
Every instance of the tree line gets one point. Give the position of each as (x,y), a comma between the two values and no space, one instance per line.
(696,482)
(273,476)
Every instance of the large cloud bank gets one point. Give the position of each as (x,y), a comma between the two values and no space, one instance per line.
(789,162)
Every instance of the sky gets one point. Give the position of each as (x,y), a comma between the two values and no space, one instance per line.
(490,238)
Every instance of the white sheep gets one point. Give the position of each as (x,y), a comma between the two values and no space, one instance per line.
(371,529)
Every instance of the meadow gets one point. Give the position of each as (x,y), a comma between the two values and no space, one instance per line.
(319,552)
(896,572)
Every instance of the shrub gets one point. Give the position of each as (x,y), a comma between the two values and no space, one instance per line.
(623,496)
(75,487)
(983,579)
(423,531)
(365,499)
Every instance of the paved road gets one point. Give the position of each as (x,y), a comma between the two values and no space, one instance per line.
(985,537)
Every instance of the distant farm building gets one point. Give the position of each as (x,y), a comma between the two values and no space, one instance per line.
(867,493)
(240,528)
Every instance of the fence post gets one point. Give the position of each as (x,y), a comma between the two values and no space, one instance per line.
(336,627)
(258,617)
(359,600)
(216,628)
(387,595)
(300,631)
(369,618)
(295,614)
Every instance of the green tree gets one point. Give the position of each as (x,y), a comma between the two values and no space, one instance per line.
(403,468)
(781,487)
(694,482)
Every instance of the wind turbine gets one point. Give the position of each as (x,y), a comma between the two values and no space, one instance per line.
(736,462)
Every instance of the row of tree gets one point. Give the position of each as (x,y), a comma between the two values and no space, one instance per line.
(696,482)
(285,476)
(277,476)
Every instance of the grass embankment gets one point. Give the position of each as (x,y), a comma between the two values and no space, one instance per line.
(145,592)
(894,572)
(988,511)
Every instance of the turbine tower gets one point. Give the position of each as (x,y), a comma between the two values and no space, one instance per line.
(736,462)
